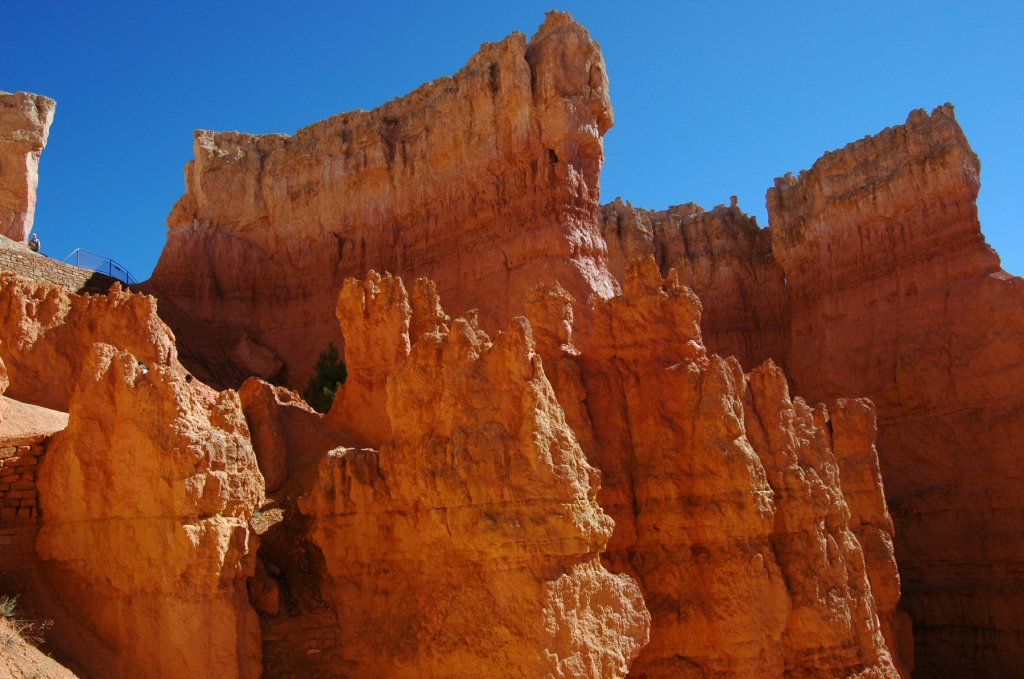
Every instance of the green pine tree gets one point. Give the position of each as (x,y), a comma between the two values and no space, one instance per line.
(328,375)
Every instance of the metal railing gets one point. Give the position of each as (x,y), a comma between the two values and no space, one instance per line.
(84,259)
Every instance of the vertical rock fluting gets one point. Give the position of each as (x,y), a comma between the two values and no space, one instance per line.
(723,256)
(47,333)
(469,544)
(146,498)
(485,181)
(374,314)
(726,494)
(897,297)
(25,120)
(892,293)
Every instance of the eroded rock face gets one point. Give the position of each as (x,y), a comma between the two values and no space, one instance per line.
(48,332)
(486,181)
(723,256)
(146,498)
(5,381)
(726,494)
(896,296)
(890,292)
(374,314)
(287,434)
(25,120)
(476,519)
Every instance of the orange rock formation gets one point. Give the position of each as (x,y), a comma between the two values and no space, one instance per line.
(25,120)
(453,513)
(724,257)
(476,518)
(896,296)
(48,332)
(146,499)
(874,279)
(726,494)
(486,181)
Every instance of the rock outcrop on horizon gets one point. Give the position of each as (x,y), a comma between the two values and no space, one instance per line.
(874,279)
(486,182)
(896,296)
(725,492)
(25,120)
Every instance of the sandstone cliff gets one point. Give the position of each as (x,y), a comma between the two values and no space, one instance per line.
(896,296)
(5,381)
(724,257)
(25,120)
(874,279)
(142,501)
(726,494)
(485,181)
(464,487)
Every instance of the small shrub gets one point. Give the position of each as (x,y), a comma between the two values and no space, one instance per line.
(30,630)
(8,604)
(328,375)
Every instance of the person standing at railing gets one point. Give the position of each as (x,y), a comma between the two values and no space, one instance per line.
(33,243)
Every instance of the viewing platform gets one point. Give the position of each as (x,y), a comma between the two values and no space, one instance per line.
(17,257)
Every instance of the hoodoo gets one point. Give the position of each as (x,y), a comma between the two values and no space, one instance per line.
(25,120)
(574,441)
(874,279)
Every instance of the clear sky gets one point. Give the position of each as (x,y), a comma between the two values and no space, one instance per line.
(711,98)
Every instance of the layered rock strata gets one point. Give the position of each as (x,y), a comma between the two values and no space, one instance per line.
(724,257)
(146,499)
(475,519)
(48,332)
(25,120)
(485,181)
(726,494)
(896,296)
(876,270)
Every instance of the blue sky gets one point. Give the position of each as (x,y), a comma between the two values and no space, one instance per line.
(711,99)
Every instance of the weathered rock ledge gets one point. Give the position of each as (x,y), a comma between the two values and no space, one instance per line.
(485,181)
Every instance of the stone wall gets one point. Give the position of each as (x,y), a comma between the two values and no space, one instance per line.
(19,461)
(19,509)
(19,259)
(300,645)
